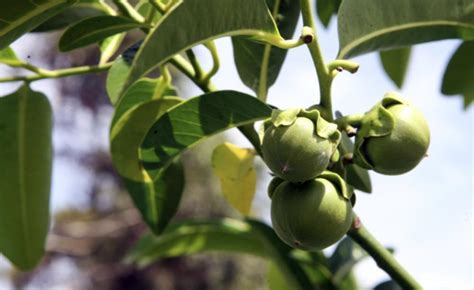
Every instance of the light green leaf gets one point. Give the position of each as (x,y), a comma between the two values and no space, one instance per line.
(371,25)
(234,167)
(253,59)
(109,46)
(69,16)
(94,29)
(133,117)
(230,235)
(355,175)
(25,179)
(192,121)
(158,200)
(276,280)
(395,63)
(117,74)
(192,22)
(459,75)
(8,57)
(18,17)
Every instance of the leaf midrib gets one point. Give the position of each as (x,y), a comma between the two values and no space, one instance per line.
(351,45)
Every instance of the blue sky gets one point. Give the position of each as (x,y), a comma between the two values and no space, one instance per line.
(426,215)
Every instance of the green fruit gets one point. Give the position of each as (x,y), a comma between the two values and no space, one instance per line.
(403,148)
(295,152)
(273,185)
(310,216)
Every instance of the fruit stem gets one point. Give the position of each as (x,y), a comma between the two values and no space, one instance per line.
(324,76)
(381,255)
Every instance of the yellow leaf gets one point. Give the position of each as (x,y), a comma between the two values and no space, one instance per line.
(234,167)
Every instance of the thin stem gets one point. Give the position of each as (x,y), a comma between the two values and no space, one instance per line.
(211,46)
(158,6)
(350,120)
(381,255)
(342,64)
(60,73)
(128,10)
(106,7)
(198,72)
(325,79)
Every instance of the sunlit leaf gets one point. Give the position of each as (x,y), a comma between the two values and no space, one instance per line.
(459,75)
(234,167)
(18,17)
(8,57)
(371,25)
(192,121)
(25,179)
(326,9)
(395,63)
(192,22)
(94,29)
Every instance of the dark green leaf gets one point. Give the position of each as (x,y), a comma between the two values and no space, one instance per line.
(94,29)
(249,237)
(395,63)
(355,175)
(193,22)
(388,285)
(25,179)
(252,58)
(158,200)
(18,17)
(326,9)
(8,57)
(68,16)
(192,121)
(344,258)
(372,25)
(459,75)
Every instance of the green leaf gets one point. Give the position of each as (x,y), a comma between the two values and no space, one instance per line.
(140,107)
(18,17)
(117,75)
(192,22)
(94,29)
(67,17)
(371,25)
(326,9)
(234,167)
(395,63)
(276,279)
(388,285)
(8,57)
(133,117)
(459,75)
(253,59)
(195,119)
(355,175)
(25,179)
(230,235)
(344,258)
(158,200)
(109,46)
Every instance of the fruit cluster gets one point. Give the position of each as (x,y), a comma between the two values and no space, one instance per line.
(311,203)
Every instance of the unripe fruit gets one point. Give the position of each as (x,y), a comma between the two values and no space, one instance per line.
(312,215)
(296,152)
(403,148)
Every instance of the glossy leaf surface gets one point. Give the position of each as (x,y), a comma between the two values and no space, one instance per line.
(25,179)
(371,25)
(192,22)
(18,17)
(395,63)
(234,167)
(195,119)
(459,75)
(94,29)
